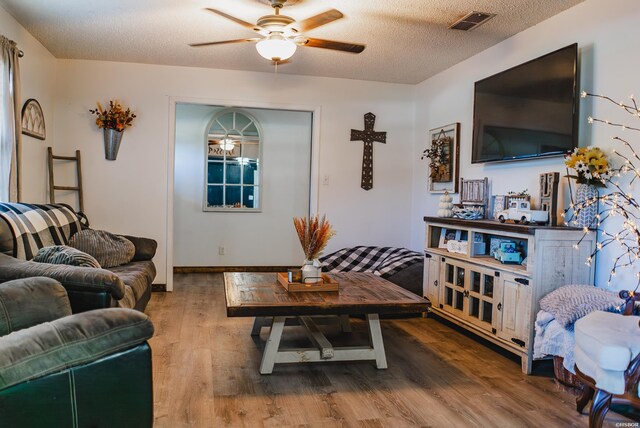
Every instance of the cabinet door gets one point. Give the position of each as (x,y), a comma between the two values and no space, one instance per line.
(479,294)
(453,282)
(431,278)
(513,309)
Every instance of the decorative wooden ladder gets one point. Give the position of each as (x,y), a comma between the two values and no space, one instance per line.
(52,187)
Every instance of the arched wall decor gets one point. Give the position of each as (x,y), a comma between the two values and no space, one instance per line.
(33,120)
(233,162)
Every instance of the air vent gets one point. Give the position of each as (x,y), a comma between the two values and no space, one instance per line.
(471,21)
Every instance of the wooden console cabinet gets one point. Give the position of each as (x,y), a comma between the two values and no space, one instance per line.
(500,301)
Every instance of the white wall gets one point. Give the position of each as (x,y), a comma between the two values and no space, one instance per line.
(265,238)
(37,74)
(608,35)
(129,195)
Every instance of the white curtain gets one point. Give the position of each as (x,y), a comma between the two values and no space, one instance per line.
(10,122)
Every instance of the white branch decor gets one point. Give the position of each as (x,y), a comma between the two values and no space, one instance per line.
(616,200)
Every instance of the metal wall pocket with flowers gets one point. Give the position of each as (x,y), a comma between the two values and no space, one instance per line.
(113,122)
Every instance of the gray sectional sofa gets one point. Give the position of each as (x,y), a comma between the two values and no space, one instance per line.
(126,286)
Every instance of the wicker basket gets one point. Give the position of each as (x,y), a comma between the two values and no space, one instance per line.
(563,375)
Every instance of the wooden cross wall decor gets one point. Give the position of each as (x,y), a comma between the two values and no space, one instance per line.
(368,136)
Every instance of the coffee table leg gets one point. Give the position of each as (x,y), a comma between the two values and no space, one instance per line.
(345,325)
(375,337)
(273,343)
(258,323)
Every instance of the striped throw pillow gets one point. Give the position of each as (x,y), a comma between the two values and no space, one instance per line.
(109,250)
(64,255)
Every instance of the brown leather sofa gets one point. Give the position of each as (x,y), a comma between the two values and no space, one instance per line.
(126,286)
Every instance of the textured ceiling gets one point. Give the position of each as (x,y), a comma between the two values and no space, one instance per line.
(407,40)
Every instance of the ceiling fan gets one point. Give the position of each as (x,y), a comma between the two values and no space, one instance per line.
(282,34)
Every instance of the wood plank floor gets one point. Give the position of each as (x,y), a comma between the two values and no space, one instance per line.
(205,369)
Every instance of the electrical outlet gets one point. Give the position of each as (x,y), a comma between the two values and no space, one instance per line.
(221,251)
(325,180)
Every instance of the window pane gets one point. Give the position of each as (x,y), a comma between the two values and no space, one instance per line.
(214,196)
(233,173)
(475,281)
(248,197)
(250,151)
(487,308)
(233,196)
(474,310)
(241,121)
(460,277)
(488,286)
(223,124)
(214,173)
(251,173)
(251,130)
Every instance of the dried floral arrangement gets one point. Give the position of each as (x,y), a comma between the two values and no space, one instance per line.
(314,234)
(617,200)
(591,165)
(439,155)
(522,194)
(115,117)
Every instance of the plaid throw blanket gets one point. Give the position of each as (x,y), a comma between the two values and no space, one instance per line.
(382,261)
(37,226)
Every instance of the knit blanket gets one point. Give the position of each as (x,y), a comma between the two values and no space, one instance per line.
(553,339)
(377,260)
(37,226)
(569,303)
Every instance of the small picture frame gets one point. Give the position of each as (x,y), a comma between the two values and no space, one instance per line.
(444,177)
(447,235)
(499,203)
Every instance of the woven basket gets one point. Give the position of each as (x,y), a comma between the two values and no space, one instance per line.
(563,375)
(468,212)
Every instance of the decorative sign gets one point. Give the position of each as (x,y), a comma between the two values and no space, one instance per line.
(474,197)
(444,155)
(549,182)
(33,120)
(499,204)
(368,136)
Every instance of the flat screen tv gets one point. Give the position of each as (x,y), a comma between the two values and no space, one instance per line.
(528,111)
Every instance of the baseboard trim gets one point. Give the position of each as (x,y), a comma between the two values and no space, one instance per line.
(220,269)
(158,287)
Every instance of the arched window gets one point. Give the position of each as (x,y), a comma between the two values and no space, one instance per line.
(233,170)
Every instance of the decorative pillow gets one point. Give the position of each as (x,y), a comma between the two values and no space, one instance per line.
(570,303)
(64,255)
(110,250)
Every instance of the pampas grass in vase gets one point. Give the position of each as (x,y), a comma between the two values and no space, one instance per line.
(314,234)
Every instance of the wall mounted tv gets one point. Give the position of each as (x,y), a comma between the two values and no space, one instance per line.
(529,111)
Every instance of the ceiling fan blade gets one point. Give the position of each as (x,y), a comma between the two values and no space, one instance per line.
(245,24)
(316,21)
(224,42)
(332,44)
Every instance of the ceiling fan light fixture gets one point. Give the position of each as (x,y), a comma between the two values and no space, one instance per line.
(227,144)
(276,48)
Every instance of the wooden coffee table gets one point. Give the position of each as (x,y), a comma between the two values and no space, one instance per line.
(259,295)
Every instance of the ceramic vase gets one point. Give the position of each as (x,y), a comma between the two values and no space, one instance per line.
(588,209)
(112,139)
(311,271)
